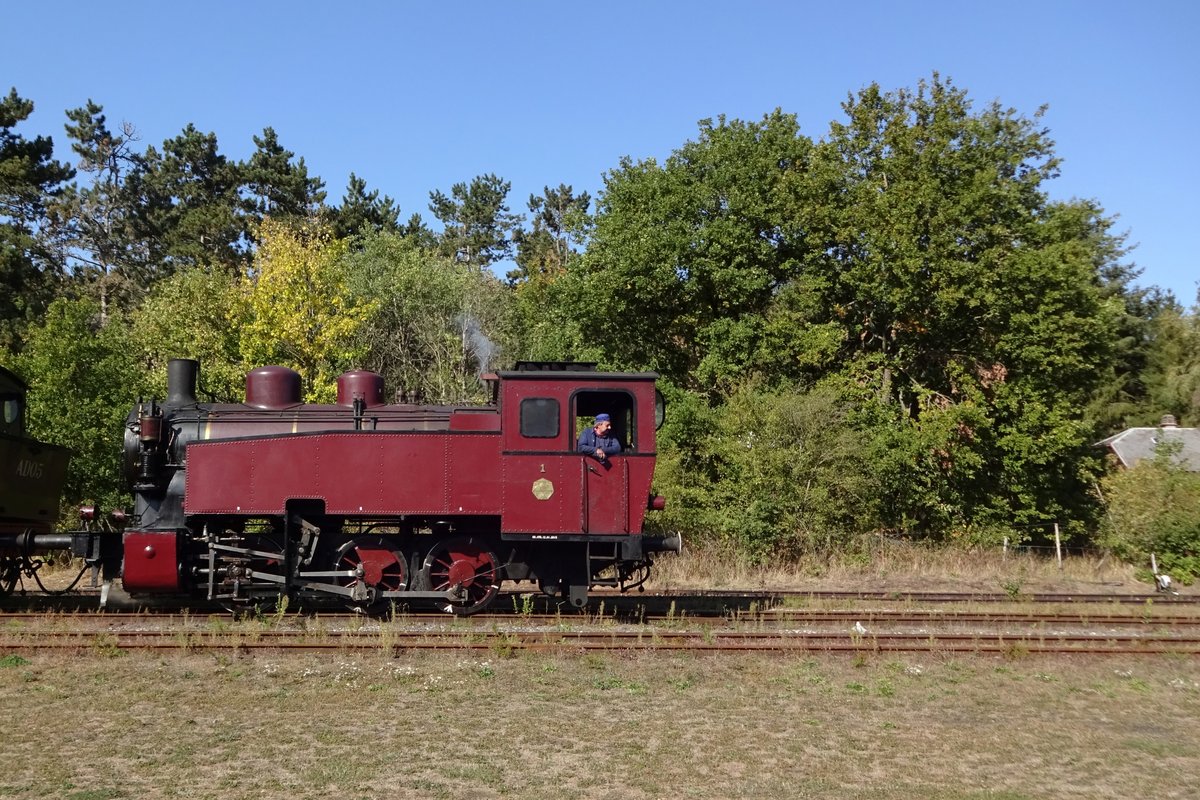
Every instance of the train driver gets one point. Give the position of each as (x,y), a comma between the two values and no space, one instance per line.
(599,440)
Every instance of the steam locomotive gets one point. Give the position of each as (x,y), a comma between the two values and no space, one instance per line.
(32,475)
(371,502)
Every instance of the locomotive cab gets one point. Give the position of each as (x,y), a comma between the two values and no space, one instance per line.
(585,514)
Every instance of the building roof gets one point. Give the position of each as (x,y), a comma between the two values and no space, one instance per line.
(1137,444)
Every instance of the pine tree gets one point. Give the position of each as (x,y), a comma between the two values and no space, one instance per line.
(30,179)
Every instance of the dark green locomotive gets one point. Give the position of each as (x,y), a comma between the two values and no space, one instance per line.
(32,475)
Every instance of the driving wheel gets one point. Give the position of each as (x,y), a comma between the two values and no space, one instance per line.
(382,566)
(465,565)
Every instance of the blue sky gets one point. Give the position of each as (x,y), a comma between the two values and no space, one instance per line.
(417,97)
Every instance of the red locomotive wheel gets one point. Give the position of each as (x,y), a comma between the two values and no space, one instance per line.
(382,565)
(465,563)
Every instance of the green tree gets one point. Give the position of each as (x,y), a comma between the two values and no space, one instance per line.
(1154,508)
(94,221)
(188,196)
(30,179)
(363,212)
(769,473)
(83,382)
(478,225)
(560,224)
(1126,396)
(545,286)
(437,324)
(193,314)
(296,308)
(958,286)
(275,185)
(1172,373)
(686,258)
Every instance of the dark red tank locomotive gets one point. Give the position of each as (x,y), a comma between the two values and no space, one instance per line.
(374,502)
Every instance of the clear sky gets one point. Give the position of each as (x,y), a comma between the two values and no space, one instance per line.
(415,97)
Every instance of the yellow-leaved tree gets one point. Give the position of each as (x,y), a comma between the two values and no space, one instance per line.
(294,309)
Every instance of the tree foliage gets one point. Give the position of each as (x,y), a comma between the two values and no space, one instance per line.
(560,225)
(188,194)
(436,324)
(93,223)
(296,309)
(82,384)
(478,224)
(30,179)
(277,186)
(1172,371)
(1154,508)
(686,258)
(363,212)
(195,313)
(769,473)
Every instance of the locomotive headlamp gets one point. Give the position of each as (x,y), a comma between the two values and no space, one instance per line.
(87,513)
(118,516)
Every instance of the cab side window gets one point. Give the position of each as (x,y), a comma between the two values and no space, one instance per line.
(12,414)
(619,406)
(539,417)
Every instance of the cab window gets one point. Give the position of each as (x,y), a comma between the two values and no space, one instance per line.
(12,412)
(618,405)
(539,417)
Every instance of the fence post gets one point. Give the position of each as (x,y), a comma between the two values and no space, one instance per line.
(1058,547)
(1005,557)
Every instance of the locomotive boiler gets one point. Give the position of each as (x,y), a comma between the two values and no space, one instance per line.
(370,501)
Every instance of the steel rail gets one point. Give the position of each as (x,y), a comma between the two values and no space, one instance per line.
(767,616)
(700,641)
(780,595)
(660,605)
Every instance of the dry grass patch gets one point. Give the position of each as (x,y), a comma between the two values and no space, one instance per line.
(637,726)
(895,565)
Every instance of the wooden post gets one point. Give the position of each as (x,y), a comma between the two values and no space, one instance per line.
(1005,548)
(1058,547)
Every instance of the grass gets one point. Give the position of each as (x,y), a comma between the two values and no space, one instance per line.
(896,565)
(548,725)
(638,726)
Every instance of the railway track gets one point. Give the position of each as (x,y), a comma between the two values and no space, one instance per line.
(806,632)
(649,605)
(771,598)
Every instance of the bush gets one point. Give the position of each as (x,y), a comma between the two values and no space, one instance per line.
(772,474)
(83,378)
(1154,508)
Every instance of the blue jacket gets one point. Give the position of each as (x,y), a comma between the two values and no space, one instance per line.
(589,441)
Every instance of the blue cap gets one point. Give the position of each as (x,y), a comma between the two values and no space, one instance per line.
(603,418)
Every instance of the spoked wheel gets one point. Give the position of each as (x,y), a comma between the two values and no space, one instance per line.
(467,565)
(380,564)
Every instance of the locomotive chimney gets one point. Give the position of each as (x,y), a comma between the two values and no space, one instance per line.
(181,380)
